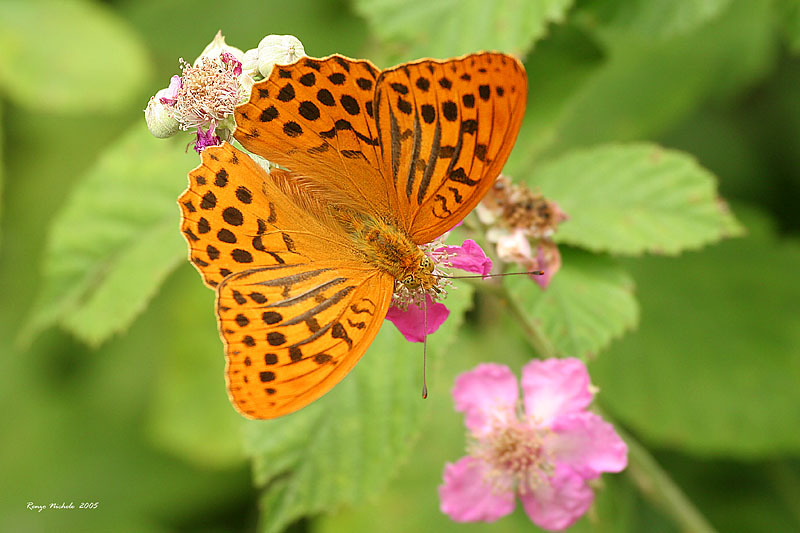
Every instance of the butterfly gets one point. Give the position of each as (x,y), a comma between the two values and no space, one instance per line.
(305,258)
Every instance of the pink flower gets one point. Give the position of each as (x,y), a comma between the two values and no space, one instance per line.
(408,315)
(521,223)
(545,455)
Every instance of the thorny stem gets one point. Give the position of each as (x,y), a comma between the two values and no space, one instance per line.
(652,480)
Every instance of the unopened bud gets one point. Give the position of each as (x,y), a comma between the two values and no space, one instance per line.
(272,50)
(159,119)
(216,48)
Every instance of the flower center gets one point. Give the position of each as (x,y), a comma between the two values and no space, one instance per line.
(517,456)
(210,92)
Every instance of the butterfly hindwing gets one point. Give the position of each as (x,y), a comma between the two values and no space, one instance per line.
(316,118)
(293,331)
(446,129)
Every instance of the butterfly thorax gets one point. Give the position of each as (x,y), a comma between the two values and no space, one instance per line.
(383,243)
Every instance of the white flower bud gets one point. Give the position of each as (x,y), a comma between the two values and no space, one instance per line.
(159,119)
(272,50)
(216,48)
(514,247)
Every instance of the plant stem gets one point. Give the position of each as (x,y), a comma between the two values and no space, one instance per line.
(536,337)
(656,485)
(653,482)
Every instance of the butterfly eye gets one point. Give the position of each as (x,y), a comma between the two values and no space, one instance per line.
(408,279)
(426,264)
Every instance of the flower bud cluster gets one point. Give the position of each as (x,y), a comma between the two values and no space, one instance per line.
(205,95)
(521,224)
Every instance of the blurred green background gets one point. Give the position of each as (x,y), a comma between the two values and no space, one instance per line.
(112,372)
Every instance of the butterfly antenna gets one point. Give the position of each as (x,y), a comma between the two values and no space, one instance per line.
(424,348)
(529,273)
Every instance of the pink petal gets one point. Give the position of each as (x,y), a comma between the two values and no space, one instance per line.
(205,139)
(555,387)
(465,496)
(487,395)
(170,94)
(560,503)
(548,259)
(469,256)
(588,444)
(411,322)
(229,59)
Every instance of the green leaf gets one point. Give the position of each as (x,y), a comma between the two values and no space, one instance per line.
(653,19)
(115,240)
(344,447)
(85,409)
(68,55)
(446,28)
(714,366)
(588,303)
(788,14)
(635,198)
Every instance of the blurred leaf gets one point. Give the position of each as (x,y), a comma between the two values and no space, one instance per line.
(757,503)
(2,173)
(324,27)
(68,55)
(647,86)
(78,437)
(344,447)
(588,303)
(115,240)
(447,28)
(635,198)
(557,70)
(653,19)
(715,364)
(190,414)
(788,14)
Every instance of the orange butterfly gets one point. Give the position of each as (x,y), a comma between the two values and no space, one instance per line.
(305,260)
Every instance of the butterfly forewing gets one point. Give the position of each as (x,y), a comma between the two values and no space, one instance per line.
(235,217)
(315,117)
(293,331)
(446,130)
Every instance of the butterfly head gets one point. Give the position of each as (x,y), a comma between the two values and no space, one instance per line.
(421,276)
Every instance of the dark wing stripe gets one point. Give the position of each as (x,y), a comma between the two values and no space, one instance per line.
(333,300)
(249,272)
(294,278)
(432,159)
(308,294)
(412,166)
(396,148)
(454,159)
